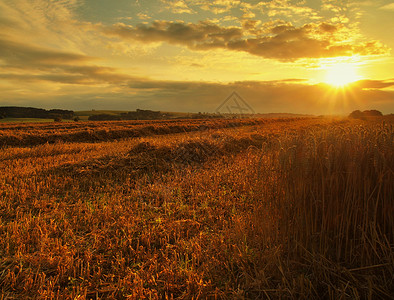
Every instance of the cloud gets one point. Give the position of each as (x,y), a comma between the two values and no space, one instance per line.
(46,23)
(192,35)
(282,8)
(41,41)
(216,6)
(389,7)
(80,75)
(282,42)
(251,26)
(143,16)
(178,7)
(196,65)
(374,84)
(328,27)
(33,15)
(25,62)
(18,54)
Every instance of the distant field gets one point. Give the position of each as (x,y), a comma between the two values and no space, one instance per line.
(84,115)
(296,208)
(98,112)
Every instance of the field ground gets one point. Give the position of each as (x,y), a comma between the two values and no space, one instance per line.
(249,209)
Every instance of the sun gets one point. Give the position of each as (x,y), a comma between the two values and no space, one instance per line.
(341,74)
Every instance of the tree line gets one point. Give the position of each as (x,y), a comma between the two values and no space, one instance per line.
(31,112)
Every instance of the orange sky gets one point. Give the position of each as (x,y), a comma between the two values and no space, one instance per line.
(189,55)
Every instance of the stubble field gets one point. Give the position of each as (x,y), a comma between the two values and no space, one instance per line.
(248,209)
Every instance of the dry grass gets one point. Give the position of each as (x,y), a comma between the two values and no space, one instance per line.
(290,209)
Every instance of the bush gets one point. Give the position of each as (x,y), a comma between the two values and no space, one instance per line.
(372,113)
(357,114)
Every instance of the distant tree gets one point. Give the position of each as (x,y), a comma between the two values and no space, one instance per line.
(76,119)
(23,112)
(372,113)
(31,112)
(65,114)
(57,119)
(357,114)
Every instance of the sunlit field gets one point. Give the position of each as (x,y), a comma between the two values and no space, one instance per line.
(195,209)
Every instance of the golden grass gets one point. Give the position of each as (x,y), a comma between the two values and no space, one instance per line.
(288,209)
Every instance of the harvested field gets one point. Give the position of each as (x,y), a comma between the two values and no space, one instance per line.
(248,208)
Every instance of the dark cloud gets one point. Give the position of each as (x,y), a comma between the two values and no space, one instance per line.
(22,62)
(83,75)
(196,65)
(292,80)
(373,84)
(282,42)
(7,24)
(192,35)
(79,78)
(328,27)
(17,53)
(251,26)
(280,29)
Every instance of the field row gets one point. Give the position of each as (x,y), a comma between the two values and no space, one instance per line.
(28,134)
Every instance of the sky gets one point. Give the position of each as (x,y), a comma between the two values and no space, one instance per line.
(294,56)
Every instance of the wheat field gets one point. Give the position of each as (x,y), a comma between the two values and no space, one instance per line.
(297,208)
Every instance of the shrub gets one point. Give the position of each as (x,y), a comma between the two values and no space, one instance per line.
(372,113)
(357,114)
